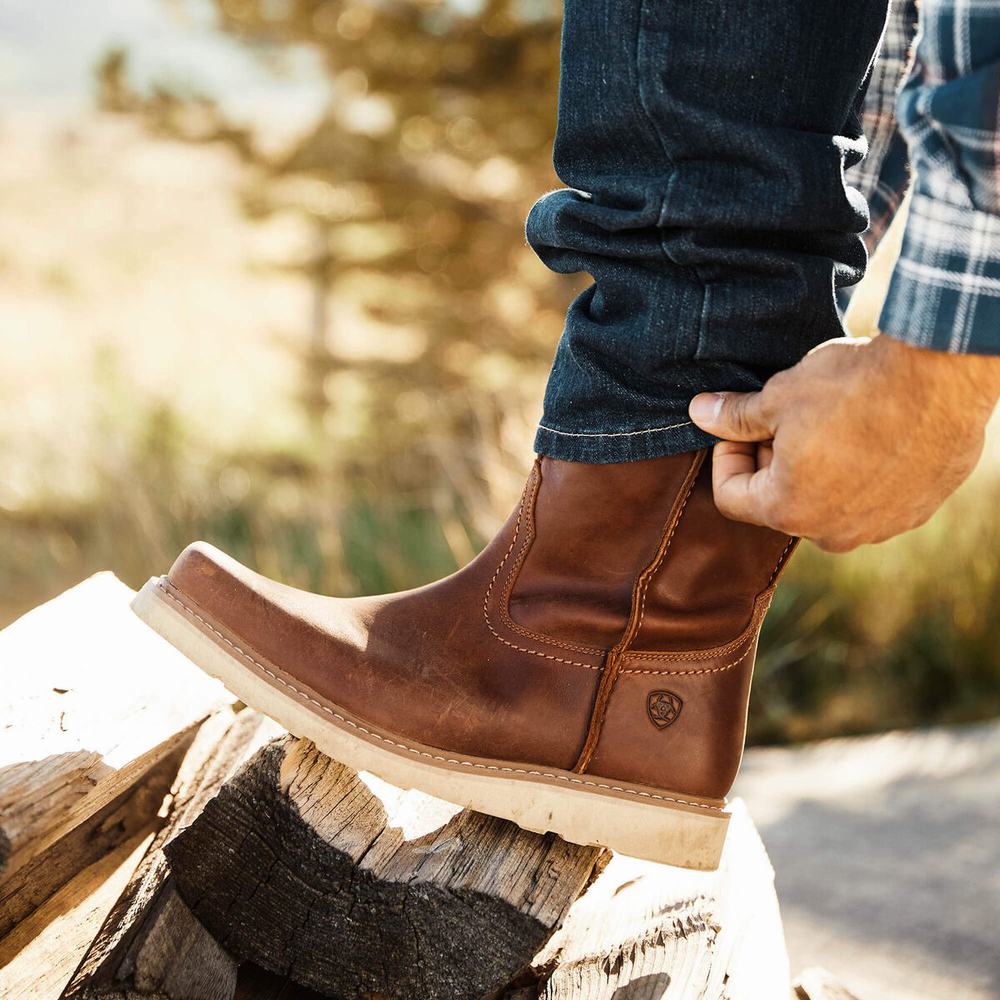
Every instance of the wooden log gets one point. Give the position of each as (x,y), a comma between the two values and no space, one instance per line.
(38,957)
(646,931)
(150,944)
(91,701)
(255,983)
(359,890)
(133,814)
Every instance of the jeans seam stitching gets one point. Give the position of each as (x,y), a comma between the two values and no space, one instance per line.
(598,434)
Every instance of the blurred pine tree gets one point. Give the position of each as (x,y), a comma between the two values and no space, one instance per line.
(414,182)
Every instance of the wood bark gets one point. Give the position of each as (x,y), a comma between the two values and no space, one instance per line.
(92,700)
(357,889)
(150,944)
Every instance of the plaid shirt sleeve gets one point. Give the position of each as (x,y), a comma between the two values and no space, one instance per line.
(945,290)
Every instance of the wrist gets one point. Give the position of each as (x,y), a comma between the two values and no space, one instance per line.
(975,378)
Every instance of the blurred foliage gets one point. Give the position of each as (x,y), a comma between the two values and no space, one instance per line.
(414,182)
(425,349)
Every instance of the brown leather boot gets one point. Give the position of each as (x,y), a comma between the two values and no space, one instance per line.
(587,673)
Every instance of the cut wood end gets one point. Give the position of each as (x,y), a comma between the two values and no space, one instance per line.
(95,699)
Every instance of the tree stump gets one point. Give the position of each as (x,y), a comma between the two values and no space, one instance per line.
(357,889)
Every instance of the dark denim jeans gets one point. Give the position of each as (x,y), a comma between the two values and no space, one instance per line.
(704,143)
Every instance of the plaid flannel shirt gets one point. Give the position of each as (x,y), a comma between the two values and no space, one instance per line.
(945,290)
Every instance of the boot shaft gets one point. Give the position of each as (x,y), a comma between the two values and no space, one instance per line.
(637,560)
(592,530)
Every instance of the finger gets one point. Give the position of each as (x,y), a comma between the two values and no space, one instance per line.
(732,416)
(739,484)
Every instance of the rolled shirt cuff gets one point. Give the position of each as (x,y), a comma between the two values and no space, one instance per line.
(945,289)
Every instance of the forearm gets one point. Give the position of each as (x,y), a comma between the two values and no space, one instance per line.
(962,382)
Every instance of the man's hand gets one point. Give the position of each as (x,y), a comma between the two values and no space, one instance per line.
(861,440)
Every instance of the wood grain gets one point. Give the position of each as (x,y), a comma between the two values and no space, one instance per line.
(133,813)
(150,944)
(91,700)
(649,932)
(357,889)
(39,956)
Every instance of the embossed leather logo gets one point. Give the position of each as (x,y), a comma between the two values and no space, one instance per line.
(663,708)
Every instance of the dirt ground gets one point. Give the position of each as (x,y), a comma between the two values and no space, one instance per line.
(887,858)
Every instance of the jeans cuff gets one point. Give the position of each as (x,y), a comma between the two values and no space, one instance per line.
(621,446)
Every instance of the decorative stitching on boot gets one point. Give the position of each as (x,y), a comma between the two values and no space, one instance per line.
(781,560)
(489,593)
(530,772)
(761,605)
(763,602)
(503,602)
(681,673)
(616,656)
(648,574)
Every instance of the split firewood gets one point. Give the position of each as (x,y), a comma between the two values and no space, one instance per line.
(91,701)
(355,888)
(150,944)
(646,932)
(133,814)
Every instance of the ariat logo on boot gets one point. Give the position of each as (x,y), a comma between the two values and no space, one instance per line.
(663,708)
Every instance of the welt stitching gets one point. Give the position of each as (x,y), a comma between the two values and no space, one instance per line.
(423,753)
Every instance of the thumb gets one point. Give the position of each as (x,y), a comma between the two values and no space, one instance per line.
(732,416)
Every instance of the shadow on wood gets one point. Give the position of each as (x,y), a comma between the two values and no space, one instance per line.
(150,944)
(357,889)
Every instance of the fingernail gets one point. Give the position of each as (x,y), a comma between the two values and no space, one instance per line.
(706,407)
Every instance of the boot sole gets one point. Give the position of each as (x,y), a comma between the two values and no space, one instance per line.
(584,809)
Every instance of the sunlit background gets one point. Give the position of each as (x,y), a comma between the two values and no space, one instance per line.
(263,281)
